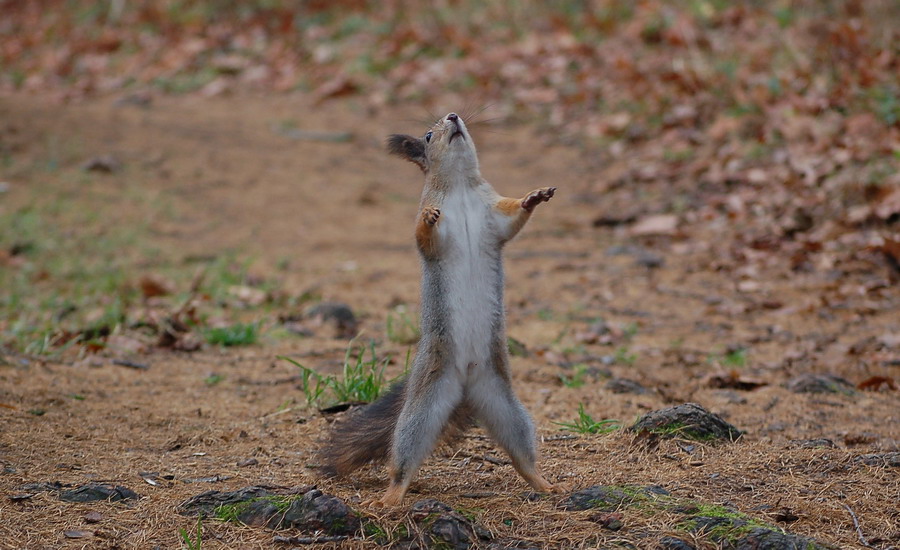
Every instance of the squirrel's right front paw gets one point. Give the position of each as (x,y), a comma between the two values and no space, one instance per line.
(431,215)
(536,197)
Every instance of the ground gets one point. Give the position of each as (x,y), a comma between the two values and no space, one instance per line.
(597,288)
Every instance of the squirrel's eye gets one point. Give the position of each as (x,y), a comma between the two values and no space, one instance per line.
(428,137)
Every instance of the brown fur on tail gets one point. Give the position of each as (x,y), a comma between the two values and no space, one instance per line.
(367,434)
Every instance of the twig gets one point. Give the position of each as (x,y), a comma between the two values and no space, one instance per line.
(308,540)
(859,533)
(130,364)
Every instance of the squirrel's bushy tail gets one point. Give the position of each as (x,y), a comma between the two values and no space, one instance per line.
(367,434)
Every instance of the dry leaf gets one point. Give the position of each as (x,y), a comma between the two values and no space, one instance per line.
(659,224)
(875,382)
(154,285)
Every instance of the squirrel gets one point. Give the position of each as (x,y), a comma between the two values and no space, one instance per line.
(461,368)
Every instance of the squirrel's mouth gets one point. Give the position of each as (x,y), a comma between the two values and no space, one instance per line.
(456,129)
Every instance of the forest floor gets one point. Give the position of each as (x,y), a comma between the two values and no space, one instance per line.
(122,214)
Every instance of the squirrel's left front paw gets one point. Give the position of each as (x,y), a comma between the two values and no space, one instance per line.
(431,215)
(536,197)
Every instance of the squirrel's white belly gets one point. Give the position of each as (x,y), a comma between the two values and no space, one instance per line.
(472,277)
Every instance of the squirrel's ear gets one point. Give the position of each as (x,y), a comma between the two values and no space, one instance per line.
(408,147)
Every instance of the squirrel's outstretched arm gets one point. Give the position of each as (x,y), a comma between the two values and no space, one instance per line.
(513,213)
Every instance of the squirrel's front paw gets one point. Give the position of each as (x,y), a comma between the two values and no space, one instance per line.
(431,215)
(536,197)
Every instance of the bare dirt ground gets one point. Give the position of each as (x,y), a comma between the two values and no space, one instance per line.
(202,179)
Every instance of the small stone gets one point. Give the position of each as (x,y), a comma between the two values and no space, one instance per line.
(820,383)
(345,323)
(687,421)
(93,517)
(821,443)
(891,460)
(624,385)
(609,498)
(650,260)
(103,163)
(96,491)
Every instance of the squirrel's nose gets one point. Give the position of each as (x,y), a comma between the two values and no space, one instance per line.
(453,116)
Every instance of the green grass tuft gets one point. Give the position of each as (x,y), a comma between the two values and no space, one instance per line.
(577,379)
(585,424)
(362,379)
(192,543)
(238,334)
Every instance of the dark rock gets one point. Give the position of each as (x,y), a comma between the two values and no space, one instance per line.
(624,385)
(442,527)
(205,504)
(736,533)
(648,259)
(612,521)
(103,163)
(891,460)
(820,383)
(31,489)
(428,506)
(93,492)
(674,543)
(258,513)
(762,538)
(820,443)
(316,511)
(609,498)
(688,421)
(345,323)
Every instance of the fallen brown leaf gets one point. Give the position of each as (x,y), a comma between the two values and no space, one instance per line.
(154,285)
(658,224)
(874,383)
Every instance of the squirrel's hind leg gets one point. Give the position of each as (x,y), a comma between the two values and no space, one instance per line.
(425,416)
(509,425)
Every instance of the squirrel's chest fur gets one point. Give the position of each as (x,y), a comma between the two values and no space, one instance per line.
(469,273)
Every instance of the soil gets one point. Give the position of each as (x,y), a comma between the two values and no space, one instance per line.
(206,178)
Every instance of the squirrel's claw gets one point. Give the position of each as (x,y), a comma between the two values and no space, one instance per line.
(431,215)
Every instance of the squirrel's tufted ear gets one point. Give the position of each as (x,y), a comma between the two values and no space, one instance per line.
(408,147)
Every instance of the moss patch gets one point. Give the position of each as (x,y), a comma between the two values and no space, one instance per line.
(726,527)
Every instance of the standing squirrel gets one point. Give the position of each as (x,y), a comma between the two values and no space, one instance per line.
(461,369)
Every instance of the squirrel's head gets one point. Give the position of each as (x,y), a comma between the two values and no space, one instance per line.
(446,147)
